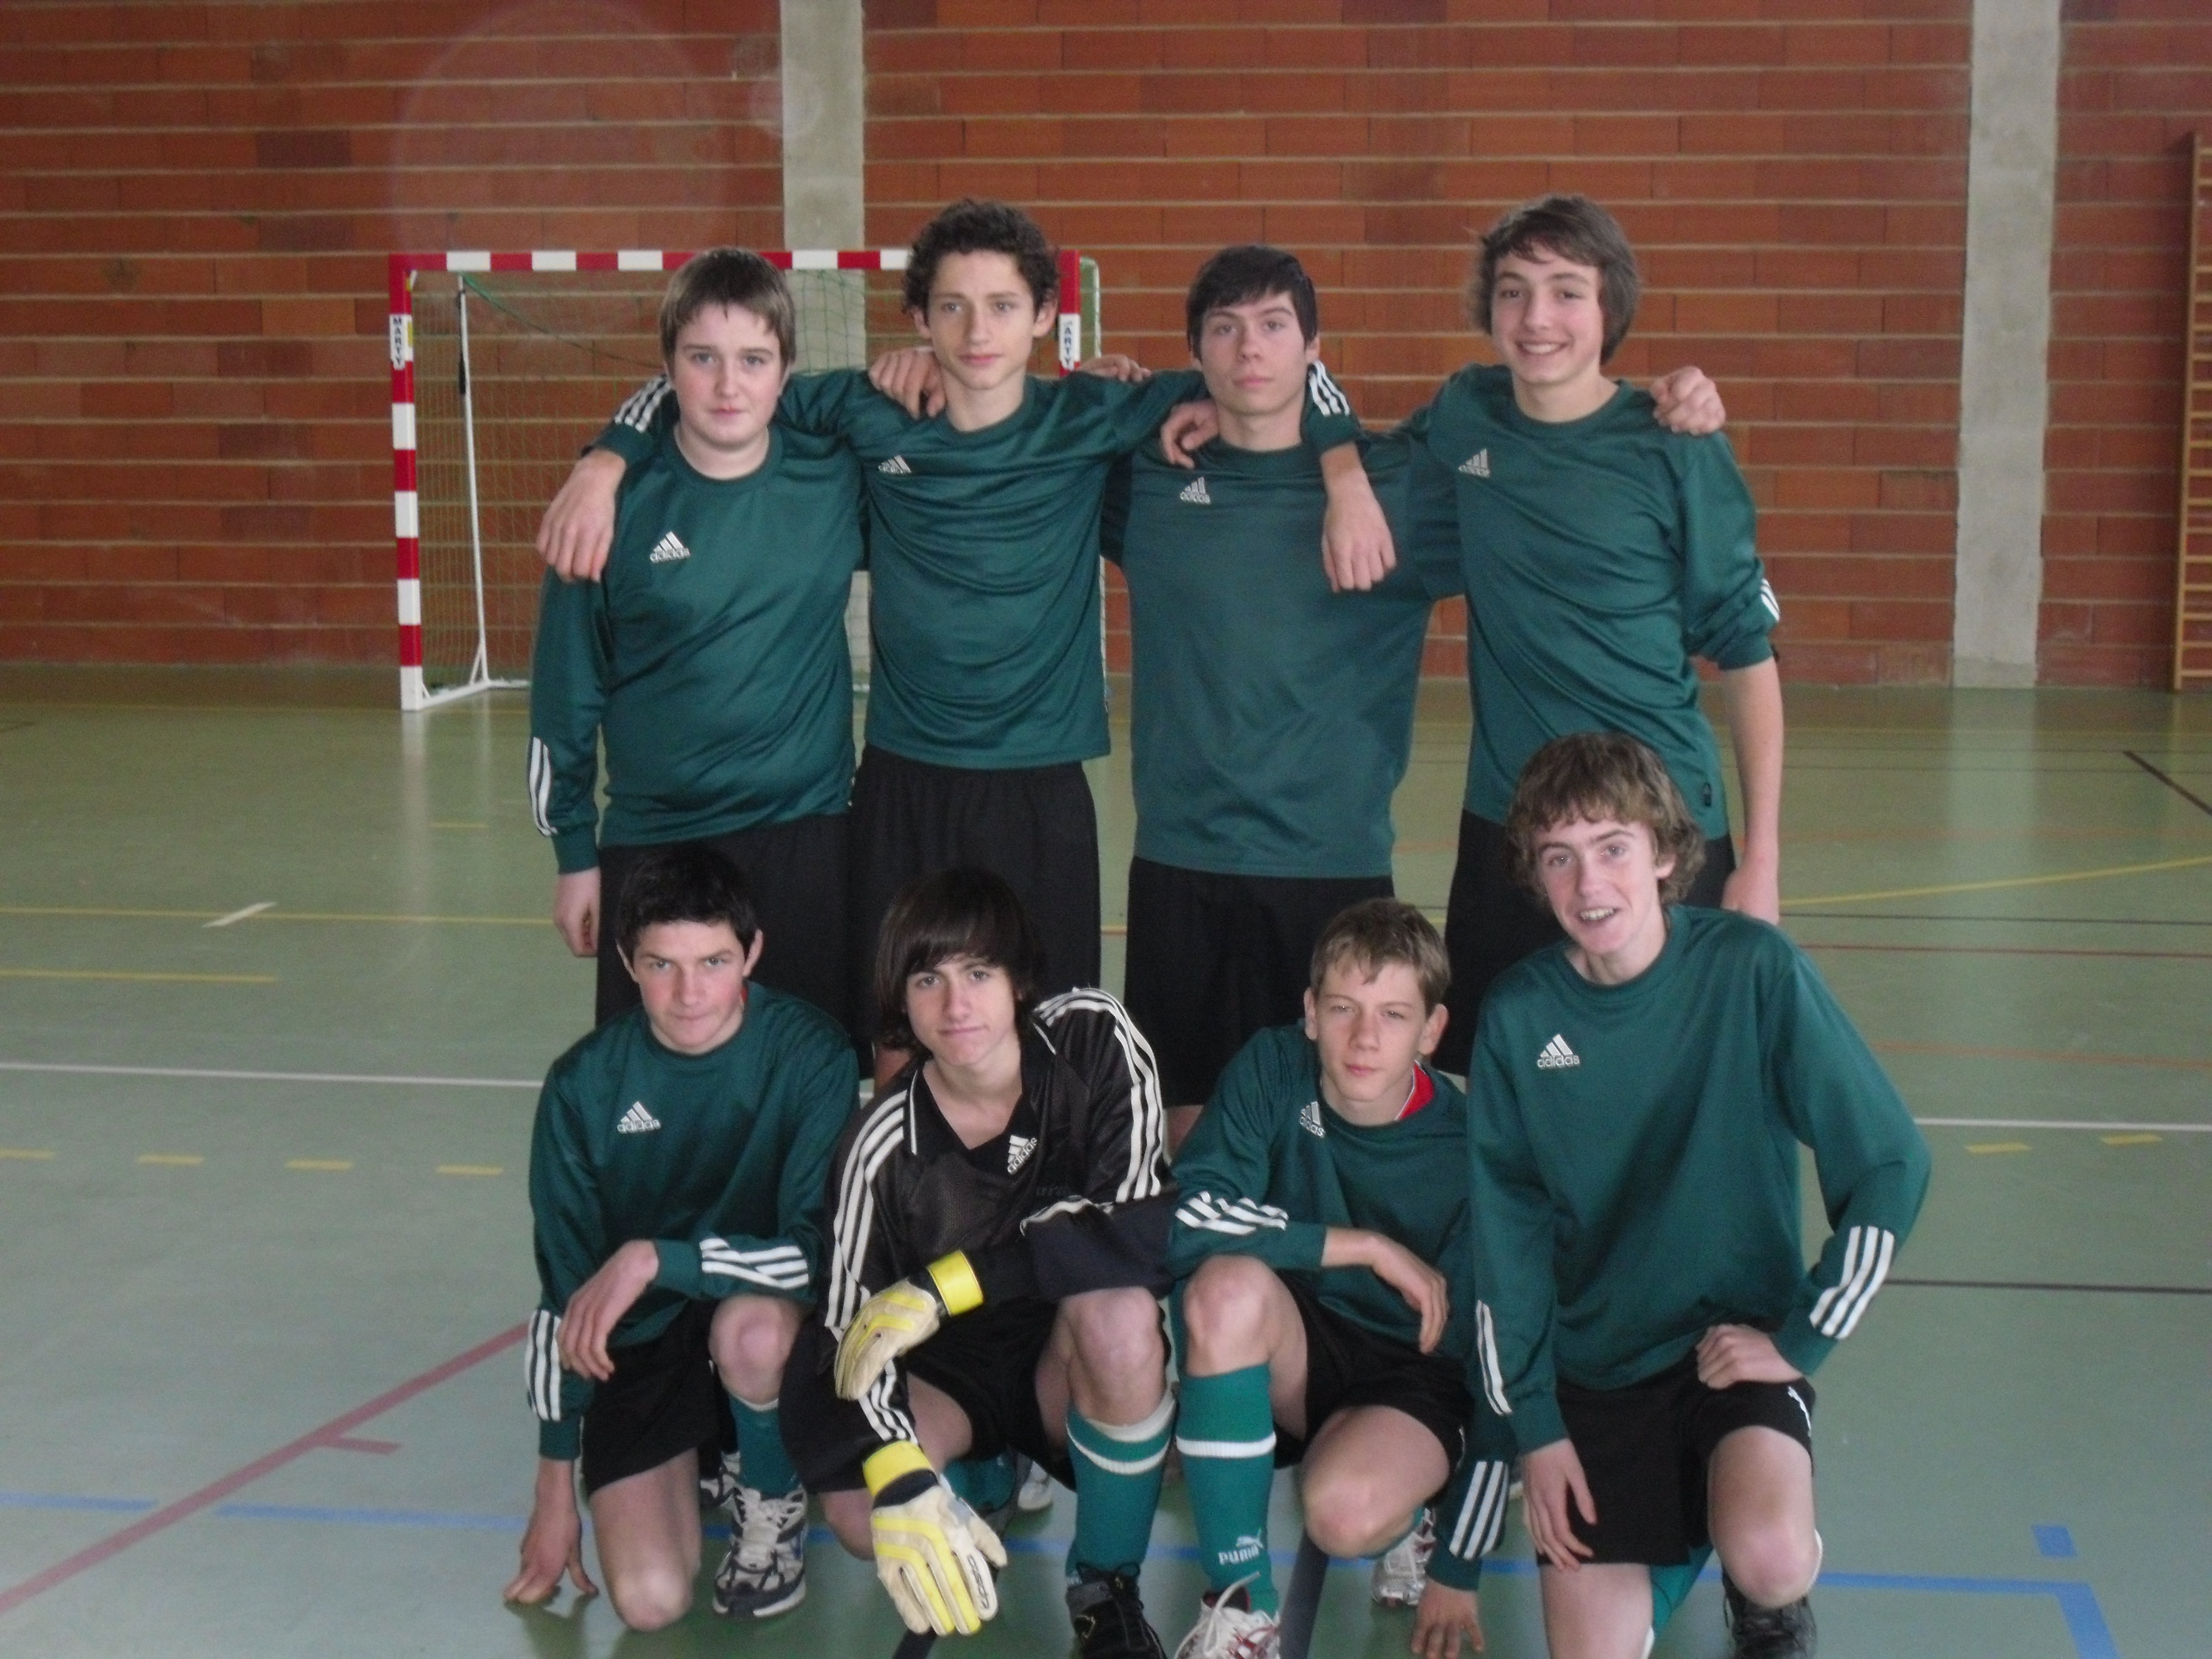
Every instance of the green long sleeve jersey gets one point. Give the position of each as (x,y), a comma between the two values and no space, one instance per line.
(711,653)
(1270,1168)
(1636,1171)
(1601,556)
(1271,719)
(721,1159)
(983,558)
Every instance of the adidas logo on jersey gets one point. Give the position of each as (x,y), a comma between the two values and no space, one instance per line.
(1476,465)
(1309,1119)
(1557,1056)
(668,547)
(1019,1148)
(636,1121)
(896,467)
(1195,494)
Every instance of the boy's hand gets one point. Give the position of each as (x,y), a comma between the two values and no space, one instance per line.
(576,910)
(1187,430)
(553,1543)
(1550,1477)
(1688,401)
(1729,1354)
(1355,537)
(1112,365)
(1443,1617)
(598,1305)
(910,377)
(1424,1288)
(579,527)
(1755,890)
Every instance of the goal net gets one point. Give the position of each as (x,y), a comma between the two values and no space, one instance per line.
(504,366)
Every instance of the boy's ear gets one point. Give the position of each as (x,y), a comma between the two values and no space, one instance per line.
(1313,1017)
(1433,1029)
(1047,314)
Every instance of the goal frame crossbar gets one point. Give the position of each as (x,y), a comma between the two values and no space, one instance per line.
(404,268)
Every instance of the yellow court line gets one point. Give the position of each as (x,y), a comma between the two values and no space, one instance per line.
(97,973)
(25,1152)
(494,1169)
(1793,901)
(179,1160)
(2129,1140)
(100,910)
(337,1165)
(450,824)
(2000,1147)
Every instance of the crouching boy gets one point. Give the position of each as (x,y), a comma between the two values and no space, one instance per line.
(1648,1322)
(1327,1316)
(675,1180)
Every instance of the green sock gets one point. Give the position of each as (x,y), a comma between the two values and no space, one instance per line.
(765,1466)
(1227,1438)
(1117,1487)
(984,1484)
(1671,1587)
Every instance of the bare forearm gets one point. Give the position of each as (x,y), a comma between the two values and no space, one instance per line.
(1754,699)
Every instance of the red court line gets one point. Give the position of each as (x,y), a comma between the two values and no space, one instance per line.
(2055,1056)
(169,1514)
(2017,951)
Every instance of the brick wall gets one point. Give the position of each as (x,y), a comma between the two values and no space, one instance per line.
(1796,190)
(195,205)
(2135,81)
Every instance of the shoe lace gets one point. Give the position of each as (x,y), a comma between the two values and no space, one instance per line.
(763,1522)
(1225,1630)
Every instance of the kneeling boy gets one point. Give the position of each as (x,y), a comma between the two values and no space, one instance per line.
(998,1225)
(1648,1323)
(1328,1311)
(676,1179)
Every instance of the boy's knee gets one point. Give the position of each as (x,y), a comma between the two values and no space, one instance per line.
(750,1339)
(649,1598)
(846,1515)
(1772,1567)
(1349,1513)
(1117,1333)
(1224,1310)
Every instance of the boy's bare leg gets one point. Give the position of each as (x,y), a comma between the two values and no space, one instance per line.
(1106,1358)
(946,1434)
(1760,1507)
(1237,1313)
(1367,1472)
(1182,1120)
(750,1338)
(647,1528)
(1596,1612)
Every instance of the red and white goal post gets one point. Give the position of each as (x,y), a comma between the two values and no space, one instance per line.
(503,367)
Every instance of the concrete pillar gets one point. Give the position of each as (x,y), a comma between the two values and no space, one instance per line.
(2004,380)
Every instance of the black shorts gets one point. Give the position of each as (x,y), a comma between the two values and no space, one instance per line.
(1213,958)
(798,874)
(1034,825)
(986,1363)
(1348,1365)
(1645,1450)
(664,1399)
(1493,922)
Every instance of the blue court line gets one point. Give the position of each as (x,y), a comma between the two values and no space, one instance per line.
(2077,1602)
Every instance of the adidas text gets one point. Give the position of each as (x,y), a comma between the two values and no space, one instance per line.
(668,547)
(1309,1119)
(636,1121)
(1019,1148)
(1476,465)
(896,467)
(1195,494)
(1557,1056)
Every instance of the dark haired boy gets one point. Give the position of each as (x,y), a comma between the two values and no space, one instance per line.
(711,656)
(1601,557)
(1648,1322)
(988,691)
(676,1172)
(998,1225)
(1327,1307)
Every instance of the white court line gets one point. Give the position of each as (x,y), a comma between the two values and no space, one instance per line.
(405,1082)
(241,916)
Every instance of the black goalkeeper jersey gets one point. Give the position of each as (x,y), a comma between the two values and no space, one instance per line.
(1074,1195)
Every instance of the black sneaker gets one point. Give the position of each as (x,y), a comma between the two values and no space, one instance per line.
(1758,1633)
(1109,1616)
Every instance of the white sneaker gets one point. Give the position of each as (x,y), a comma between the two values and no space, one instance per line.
(1229,1627)
(1401,1572)
(765,1572)
(1036,1489)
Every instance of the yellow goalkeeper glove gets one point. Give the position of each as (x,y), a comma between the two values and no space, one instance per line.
(932,1553)
(900,1318)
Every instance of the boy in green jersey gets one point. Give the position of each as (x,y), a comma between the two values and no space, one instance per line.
(1647,1323)
(1327,1311)
(1601,557)
(988,691)
(711,655)
(676,1173)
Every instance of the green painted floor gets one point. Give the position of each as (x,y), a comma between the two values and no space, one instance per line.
(258,1389)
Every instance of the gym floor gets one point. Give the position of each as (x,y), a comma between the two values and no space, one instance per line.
(276,989)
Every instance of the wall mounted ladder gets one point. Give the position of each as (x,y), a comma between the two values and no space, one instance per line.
(2193,605)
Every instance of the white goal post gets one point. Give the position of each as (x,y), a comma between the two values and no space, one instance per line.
(503,367)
